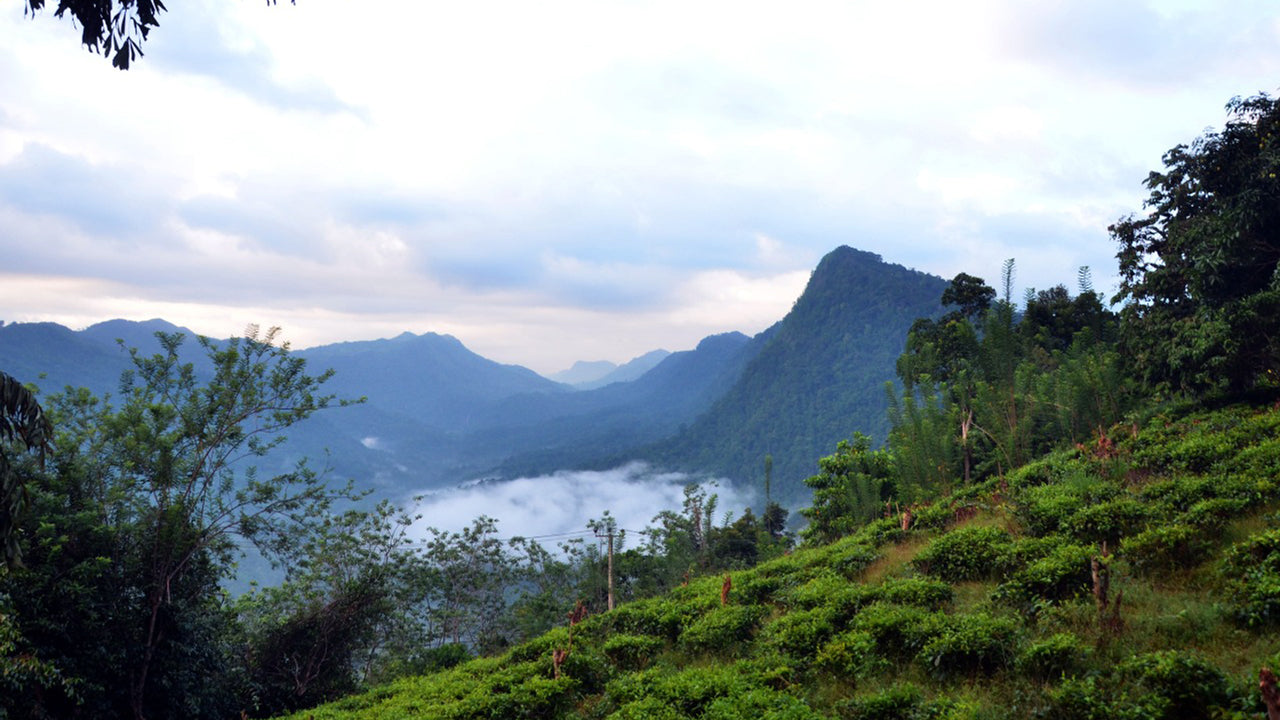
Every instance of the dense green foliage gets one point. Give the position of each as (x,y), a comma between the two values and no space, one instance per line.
(1201,269)
(988,613)
(817,377)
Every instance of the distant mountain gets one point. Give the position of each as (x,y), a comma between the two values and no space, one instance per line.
(437,414)
(584,371)
(628,371)
(818,378)
(431,378)
(600,427)
(52,357)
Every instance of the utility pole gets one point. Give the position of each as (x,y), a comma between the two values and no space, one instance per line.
(609,534)
(611,568)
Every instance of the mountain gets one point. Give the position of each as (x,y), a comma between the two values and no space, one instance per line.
(584,371)
(436,413)
(817,378)
(628,371)
(602,427)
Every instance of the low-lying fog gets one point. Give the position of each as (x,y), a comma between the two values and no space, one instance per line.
(564,501)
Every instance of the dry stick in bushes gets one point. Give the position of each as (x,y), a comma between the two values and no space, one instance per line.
(724,591)
(1111,624)
(558,656)
(1270,693)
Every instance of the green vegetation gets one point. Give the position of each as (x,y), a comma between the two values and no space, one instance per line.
(1071,518)
(992,613)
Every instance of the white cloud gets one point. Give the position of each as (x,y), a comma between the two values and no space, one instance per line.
(587,178)
(564,502)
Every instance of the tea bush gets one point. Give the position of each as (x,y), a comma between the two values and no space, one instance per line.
(1058,656)
(1044,509)
(1166,547)
(1252,569)
(632,652)
(850,655)
(1064,573)
(900,702)
(1180,686)
(965,554)
(759,704)
(1107,521)
(725,629)
(920,592)
(969,645)
(801,633)
(899,631)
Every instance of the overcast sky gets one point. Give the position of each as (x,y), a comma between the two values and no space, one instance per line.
(556,181)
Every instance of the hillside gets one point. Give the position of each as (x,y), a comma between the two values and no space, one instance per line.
(983,605)
(817,378)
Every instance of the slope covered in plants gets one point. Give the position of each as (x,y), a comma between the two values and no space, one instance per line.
(1137,575)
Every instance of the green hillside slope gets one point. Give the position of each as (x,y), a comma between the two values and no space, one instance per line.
(1134,577)
(818,377)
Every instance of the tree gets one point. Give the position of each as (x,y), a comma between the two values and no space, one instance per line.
(849,489)
(115,28)
(138,521)
(970,295)
(23,427)
(1200,272)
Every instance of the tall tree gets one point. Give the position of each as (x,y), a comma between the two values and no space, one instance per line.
(23,427)
(1200,272)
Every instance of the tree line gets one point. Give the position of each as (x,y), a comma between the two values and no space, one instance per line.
(993,383)
(124,518)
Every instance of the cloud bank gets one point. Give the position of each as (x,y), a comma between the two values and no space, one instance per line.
(563,503)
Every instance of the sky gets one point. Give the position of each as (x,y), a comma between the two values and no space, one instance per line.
(560,181)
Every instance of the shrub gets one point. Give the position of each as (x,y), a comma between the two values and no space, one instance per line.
(727,628)
(755,588)
(1166,547)
(850,559)
(817,591)
(1064,573)
(937,516)
(900,702)
(1057,656)
(1108,521)
(1215,512)
(647,708)
(964,554)
(759,704)
(969,645)
(899,631)
(631,652)
(850,655)
(1092,698)
(1024,551)
(801,633)
(643,617)
(1252,569)
(896,703)
(1180,685)
(920,592)
(1044,509)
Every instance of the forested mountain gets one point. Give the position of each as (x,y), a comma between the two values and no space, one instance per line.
(435,413)
(818,376)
